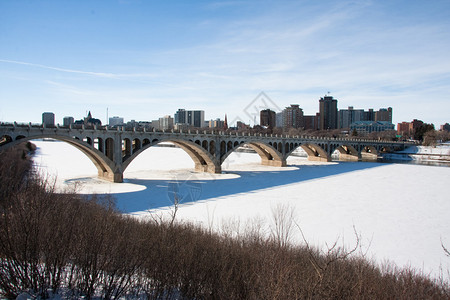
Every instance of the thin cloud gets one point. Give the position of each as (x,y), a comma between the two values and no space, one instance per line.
(97,74)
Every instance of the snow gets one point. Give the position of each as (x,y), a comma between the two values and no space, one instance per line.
(439,154)
(443,149)
(400,211)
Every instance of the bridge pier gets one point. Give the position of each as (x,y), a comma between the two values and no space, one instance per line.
(116,177)
(369,153)
(215,169)
(367,156)
(274,163)
(319,158)
(348,157)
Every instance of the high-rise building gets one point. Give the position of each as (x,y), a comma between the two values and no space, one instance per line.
(48,119)
(348,116)
(115,121)
(166,122)
(311,122)
(194,118)
(279,120)
(267,118)
(293,117)
(384,114)
(328,113)
(180,117)
(67,121)
(369,115)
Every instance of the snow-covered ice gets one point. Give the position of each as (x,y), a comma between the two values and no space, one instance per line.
(401,211)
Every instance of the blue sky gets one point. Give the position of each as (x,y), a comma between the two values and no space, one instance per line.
(145,59)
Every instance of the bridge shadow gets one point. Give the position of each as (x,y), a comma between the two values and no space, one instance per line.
(163,193)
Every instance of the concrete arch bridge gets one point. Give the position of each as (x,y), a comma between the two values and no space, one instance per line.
(112,151)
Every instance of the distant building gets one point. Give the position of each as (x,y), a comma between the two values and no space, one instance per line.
(279,120)
(408,128)
(369,115)
(384,114)
(366,127)
(311,122)
(217,123)
(242,125)
(267,118)
(293,117)
(155,124)
(67,121)
(180,117)
(328,113)
(445,127)
(404,128)
(115,121)
(166,123)
(89,121)
(193,118)
(348,116)
(48,119)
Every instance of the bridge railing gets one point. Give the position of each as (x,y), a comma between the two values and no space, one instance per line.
(211,132)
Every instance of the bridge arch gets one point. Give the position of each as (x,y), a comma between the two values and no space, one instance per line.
(5,139)
(314,152)
(203,160)
(369,152)
(105,166)
(270,156)
(347,152)
(136,145)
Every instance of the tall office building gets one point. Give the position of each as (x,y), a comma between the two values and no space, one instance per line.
(194,118)
(328,113)
(180,117)
(384,114)
(348,116)
(48,119)
(293,117)
(267,118)
(166,122)
(369,115)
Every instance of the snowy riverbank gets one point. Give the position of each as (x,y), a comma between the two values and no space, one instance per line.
(400,210)
(439,154)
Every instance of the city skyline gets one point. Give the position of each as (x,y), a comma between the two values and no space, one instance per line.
(144,60)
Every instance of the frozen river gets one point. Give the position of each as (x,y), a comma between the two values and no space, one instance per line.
(401,211)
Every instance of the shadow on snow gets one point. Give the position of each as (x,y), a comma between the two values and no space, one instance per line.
(163,193)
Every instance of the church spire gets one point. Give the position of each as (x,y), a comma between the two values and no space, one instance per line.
(225,123)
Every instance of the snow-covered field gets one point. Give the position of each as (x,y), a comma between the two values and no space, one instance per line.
(401,211)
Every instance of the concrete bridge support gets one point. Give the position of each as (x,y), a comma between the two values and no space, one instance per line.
(269,156)
(369,153)
(316,153)
(347,153)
